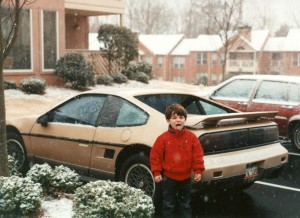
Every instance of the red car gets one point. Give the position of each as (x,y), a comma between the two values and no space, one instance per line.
(250,93)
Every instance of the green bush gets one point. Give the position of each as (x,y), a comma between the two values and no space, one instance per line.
(74,69)
(111,199)
(33,85)
(54,181)
(10,84)
(119,78)
(12,167)
(104,80)
(19,196)
(140,71)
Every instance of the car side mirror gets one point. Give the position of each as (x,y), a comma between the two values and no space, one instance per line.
(43,120)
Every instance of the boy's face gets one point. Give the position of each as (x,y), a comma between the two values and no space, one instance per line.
(176,121)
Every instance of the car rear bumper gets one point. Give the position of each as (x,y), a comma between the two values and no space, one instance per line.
(230,168)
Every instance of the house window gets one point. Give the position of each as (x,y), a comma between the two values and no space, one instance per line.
(160,62)
(49,39)
(202,78)
(276,56)
(148,60)
(202,58)
(19,57)
(178,62)
(296,59)
(233,56)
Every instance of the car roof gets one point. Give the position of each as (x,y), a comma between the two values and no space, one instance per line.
(285,78)
(139,91)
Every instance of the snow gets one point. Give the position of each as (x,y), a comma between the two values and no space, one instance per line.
(19,104)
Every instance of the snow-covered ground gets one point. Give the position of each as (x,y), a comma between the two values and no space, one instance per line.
(19,104)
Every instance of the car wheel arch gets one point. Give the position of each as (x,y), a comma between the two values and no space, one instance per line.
(127,152)
(293,121)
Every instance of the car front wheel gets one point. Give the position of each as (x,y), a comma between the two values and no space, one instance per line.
(136,173)
(296,136)
(15,148)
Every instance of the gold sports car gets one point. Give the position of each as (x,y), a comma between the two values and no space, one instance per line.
(109,134)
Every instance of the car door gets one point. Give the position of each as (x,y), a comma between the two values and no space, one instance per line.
(277,96)
(119,125)
(235,94)
(67,138)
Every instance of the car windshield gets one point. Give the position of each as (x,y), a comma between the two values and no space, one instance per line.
(193,104)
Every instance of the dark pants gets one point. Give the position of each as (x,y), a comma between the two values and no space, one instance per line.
(176,194)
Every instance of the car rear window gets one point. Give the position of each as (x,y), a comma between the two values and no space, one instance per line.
(240,88)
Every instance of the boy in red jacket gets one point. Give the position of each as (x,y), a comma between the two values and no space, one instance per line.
(173,156)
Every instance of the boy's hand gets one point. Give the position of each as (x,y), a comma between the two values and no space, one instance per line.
(158,178)
(197,177)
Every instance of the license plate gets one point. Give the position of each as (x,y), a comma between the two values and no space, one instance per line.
(251,173)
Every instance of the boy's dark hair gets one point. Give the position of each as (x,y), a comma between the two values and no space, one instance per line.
(175,109)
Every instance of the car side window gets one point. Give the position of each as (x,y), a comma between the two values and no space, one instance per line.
(80,110)
(294,95)
(131,115)
(240,89)
(119,112)
(211,109)
(279,91)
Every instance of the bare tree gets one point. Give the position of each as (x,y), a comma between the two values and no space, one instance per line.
(150,16)
(225,17)
(10,11)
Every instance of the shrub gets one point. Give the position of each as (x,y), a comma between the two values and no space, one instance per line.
(142,77)
(133,71)
(111,199)
(54,181)
(19,196)
(33,85)
(10,84)
(12,167)
(104,79)
(119,78)
(74,69)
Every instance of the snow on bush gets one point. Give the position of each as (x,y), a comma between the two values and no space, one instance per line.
(19,196)
(59,179)
(33,85)
(111,199)
(12,166)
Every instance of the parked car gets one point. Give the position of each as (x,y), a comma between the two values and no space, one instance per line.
(109,134)
(249,93)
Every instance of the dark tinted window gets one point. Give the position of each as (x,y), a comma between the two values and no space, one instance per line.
(193,104)
(236,89)
(80,110)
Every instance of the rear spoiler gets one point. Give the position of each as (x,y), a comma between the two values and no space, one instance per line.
(214,120)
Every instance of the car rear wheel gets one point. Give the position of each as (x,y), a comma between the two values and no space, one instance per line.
(296,136)
(136,173)
(15,148)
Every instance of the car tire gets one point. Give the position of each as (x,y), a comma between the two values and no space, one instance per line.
(296,136)
(16,149)
(136,173)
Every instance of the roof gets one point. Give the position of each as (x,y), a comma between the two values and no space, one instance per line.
(161,44)
(201,43)
(275,44)
(292,42)
(270,77)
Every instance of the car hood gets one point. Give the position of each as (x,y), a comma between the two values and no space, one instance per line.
(228,119)
(23,124)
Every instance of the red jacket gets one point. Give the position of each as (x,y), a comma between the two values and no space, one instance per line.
(175,153)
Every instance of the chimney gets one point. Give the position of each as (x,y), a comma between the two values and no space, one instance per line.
(245,31)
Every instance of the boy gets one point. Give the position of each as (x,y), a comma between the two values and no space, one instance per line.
(174,154)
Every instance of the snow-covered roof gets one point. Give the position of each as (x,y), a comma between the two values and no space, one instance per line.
(258,38)
(292,42)
(275,44)
(201,43)
(160,44)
